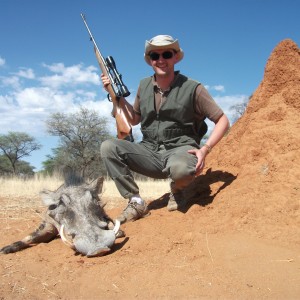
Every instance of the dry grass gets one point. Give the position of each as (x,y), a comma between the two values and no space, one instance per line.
(29,188)
(148,188)
(18,195)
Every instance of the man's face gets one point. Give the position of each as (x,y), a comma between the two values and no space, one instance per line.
(163,61)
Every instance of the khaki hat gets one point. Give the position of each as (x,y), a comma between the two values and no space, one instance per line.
(161,42)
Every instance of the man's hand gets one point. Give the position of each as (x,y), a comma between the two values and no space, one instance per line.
(221,126)
(200,154)
(105,81)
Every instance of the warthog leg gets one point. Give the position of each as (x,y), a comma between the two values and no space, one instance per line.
(44,234)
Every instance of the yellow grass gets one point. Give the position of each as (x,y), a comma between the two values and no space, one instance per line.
(149,189)
(30,188)
(19,198)
(18,187)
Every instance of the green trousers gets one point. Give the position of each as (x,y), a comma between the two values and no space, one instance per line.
(121,157)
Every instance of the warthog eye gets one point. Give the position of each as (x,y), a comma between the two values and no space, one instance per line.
(52,206)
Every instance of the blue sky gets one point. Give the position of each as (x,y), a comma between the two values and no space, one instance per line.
(47,62)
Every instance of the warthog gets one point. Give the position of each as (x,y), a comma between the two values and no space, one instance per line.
(75,213)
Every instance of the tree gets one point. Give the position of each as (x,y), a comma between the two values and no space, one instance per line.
(5,165)
(24,168)
(49,165)
(240,108)
(81,135)
(16,145)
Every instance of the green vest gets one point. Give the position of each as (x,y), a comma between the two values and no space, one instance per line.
(173,124)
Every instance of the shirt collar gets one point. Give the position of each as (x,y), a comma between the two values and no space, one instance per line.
(157,88)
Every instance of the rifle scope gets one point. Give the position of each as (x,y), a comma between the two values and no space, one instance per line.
(117,77)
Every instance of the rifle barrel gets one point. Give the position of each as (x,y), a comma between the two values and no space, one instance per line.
(91,37)
(108,67)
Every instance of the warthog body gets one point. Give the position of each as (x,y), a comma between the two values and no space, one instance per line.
(75,212)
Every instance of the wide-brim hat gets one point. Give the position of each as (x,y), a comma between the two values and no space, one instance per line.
(161,42)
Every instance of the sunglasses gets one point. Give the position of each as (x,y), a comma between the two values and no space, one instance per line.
(166,55)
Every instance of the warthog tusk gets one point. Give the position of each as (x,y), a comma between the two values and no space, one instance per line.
(64,237)
(117,227)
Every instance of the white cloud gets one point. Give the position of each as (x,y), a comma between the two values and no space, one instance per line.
(70,76)
(25,107)
(225,102)
(14,81)
(218,88)
(11,82)
(2,61)
(6,102)
(26,73)
(43,98)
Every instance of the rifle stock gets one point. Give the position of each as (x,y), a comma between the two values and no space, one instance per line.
(116,90)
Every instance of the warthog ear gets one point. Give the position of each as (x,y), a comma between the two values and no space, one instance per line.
(47,197)
(96,186)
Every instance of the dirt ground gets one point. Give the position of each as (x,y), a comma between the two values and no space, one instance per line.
(239,238)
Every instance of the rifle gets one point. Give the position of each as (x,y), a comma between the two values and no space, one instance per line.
(116,90)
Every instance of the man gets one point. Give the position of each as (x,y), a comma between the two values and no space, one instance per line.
(171,109)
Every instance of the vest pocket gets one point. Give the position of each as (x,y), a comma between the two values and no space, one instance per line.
(171,133)
(148,135)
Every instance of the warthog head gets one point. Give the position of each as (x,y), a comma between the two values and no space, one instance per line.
(75,212)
